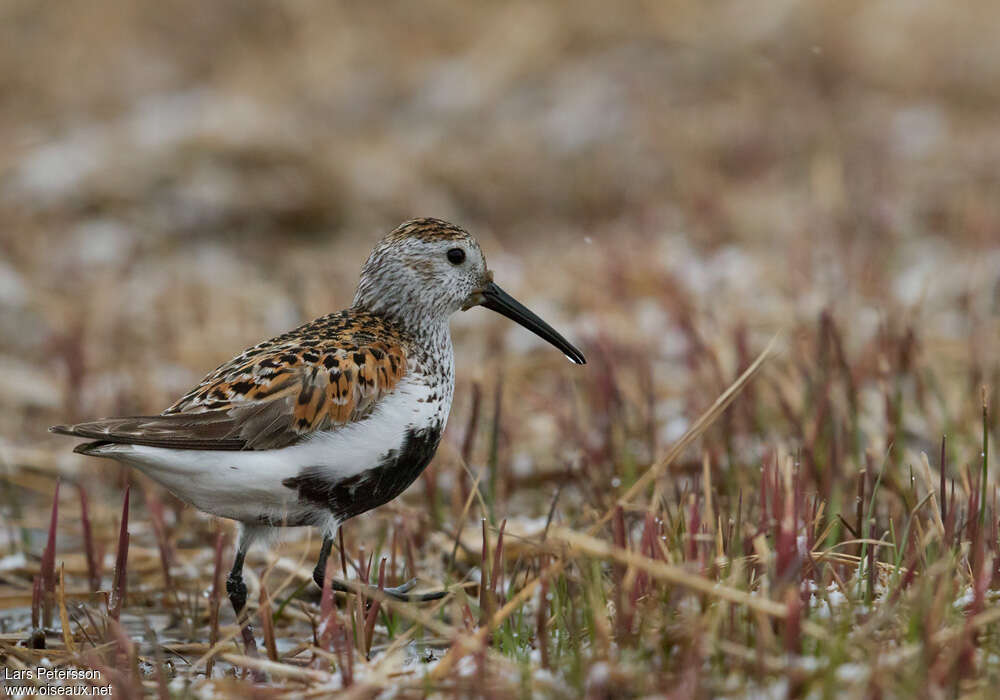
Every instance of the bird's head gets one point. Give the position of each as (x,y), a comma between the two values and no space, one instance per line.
(427,269)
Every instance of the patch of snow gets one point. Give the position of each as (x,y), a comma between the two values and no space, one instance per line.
(776,690)
(853,673)
(584,111)
(650,317)
(466,666)
(57,168)
(599,674)
(99,242)
(916,131)
(13,291)
(13,561)
(522,464)
(964,600)
(452,86)
(27,385)
(673,430)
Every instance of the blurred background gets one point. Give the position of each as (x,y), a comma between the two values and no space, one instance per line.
(182,179)
(668,183)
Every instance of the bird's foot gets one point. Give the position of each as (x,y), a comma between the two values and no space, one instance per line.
(401,592)
(237,590)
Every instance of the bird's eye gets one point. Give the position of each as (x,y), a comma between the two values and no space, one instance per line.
(456,256)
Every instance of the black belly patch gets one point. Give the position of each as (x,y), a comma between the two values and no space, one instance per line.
(371,488)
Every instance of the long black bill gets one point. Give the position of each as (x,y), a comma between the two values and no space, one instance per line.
(503,303)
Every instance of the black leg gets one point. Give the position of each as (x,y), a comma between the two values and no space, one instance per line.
(399,592)
(319,573)
(237,591)
(235,586)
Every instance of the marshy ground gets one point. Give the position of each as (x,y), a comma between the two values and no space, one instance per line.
(673,187)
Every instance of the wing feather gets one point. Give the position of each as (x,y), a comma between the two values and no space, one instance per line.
(321,376)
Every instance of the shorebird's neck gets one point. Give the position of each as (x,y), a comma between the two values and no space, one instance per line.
(431,364)
(435,358)
(428,333)
(430,327)
(432,337)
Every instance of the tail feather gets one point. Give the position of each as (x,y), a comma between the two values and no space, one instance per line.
(92,448)
(84,448)
(209,430)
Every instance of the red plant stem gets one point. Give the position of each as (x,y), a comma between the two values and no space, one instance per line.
(324,633)
(118,586)
(541,625)
(373,610)
(93,566)
(125,658)
(496,574)
(763,497)
(160,529)
(343,551)
(392,551)
(944,496)
(494,483)
(366,568)
(411,559)
(623,614)
(332,629)
(469,439)
(36,602)
(267,624)
(694,525)
(986,459)
(347,669)
(859,526)
(647,546)
(793,624)
(48,564)
(213,603)
(430,491)
(337,630)
(485,607)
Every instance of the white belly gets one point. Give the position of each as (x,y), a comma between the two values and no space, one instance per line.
(247,485)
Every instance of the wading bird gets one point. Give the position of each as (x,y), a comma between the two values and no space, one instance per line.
(333,418)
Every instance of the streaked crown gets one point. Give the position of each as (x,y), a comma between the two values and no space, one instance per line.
(422,272)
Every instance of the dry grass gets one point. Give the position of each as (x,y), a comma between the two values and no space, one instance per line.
(670,186)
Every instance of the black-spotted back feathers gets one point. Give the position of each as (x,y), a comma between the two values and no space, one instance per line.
(324,374)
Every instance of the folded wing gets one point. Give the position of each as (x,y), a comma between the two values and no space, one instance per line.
(269,397)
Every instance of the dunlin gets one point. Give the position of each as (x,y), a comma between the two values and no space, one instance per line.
(333,418)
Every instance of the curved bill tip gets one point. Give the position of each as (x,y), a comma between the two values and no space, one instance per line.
(494,298)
